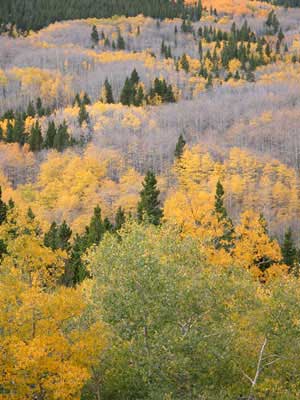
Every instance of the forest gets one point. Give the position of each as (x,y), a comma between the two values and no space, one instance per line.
(149,200)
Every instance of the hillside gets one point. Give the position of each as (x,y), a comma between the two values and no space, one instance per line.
(149,200)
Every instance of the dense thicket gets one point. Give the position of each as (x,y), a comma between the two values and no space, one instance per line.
(35,14)
(285,3)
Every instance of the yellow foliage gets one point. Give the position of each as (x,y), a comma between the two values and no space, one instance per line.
(234,65)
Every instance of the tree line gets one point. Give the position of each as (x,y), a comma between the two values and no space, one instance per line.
(36,14)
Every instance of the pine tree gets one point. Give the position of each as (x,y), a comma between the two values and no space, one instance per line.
(184,63)
(62,138)
(288,249)
(120,42)
(220,211)
(96,228)
(86,100)
(10,133)
(36,138)
(95,36)
(107,96)
(50,135)
(127,94)
(30,214)
(75,270)
(149,206)
(18,130)
(120,219)
(77,100)
(39,107)
(64,234)
(134,78)
(180,147)
(83,115)
(30,110)
(107,225)
(280,35)
(3,209)
(139,97)
(50,238)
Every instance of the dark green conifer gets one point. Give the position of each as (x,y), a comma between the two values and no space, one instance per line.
(149,209)
(180,147)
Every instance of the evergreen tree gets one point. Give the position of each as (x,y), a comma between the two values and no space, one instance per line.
(180,147)
(75,270)
(120,42)
(184,63)
(107,225)
(96,228)
(107,93)
(3,209)
(62,138)
(86,100)
(127,94)
(149,206)
(220,210)
(134,78)
(288,249)
(95,36)
(77,100)
(139,97)
(30,110)
(64,234)
(36,138)
(10,132)
(30,214)
(39,107)
(51,237)
(83,115)
(50,135)
(18,130)
(120,219)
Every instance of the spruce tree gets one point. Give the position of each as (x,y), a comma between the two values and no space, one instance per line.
(184,63)
(75,270)
(51,237)
(180,147)
(36,138)
(83,115)
(120,219)
(127,94)
(39,107)
(220,211)
(86,100)
(30,110)
(95,36)
(50,135)
(62,138)
(3,209)
(64,234)
(288,249)
(77,100)
(134,78)
(10,133)
(149,205)
(18,130)
(108,94)
(120,42)
(96,228)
